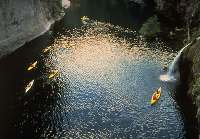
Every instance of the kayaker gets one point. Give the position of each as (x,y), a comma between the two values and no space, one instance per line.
(155,96)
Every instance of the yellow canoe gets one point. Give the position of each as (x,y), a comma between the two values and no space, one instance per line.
(85,19)
(29,86)
(46,49)
(33,65)
(156,95)
(53,73)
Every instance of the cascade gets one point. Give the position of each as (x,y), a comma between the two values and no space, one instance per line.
(173,71)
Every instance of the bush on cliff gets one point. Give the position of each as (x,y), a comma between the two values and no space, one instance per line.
(151,27)
(196,88)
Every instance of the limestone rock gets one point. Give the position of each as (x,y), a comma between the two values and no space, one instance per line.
(23,20)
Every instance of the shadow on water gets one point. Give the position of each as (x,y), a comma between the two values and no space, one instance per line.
(22,113)
(118,12)
(13,75)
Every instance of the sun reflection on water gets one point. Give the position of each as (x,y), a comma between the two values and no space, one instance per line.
(107,76)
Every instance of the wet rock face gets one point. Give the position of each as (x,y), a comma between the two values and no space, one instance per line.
(168,9)
(190,69)
(22,20)
(183,8)
(185,14)
(180,12)
(190,74)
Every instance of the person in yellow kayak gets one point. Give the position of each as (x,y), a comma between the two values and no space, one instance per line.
(33,65)
(156,95)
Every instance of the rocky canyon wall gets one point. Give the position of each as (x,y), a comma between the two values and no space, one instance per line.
(23,20)
(186,15)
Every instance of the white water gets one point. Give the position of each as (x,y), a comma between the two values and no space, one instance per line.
(173,71)
(66,4)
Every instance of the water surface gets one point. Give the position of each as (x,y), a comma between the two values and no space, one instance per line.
(107,75)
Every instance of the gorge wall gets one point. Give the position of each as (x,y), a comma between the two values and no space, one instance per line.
(23,20)
(185,15)
(190,75)
(180,15)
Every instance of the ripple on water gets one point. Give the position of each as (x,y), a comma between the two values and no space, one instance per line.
(105,84)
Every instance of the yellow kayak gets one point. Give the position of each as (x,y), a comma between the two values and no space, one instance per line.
(156,95)
(29,86)
(46,49)
(85,19)
(32,66)
(53,73)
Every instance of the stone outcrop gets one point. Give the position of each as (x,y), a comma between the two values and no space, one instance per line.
(190,75)
(186,15)
(23,20)
(181,15)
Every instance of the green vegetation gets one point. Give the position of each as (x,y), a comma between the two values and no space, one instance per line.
(196,88)
(151,27)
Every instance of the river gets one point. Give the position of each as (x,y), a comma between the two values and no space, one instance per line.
(107,74)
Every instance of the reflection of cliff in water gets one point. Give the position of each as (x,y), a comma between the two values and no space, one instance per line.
(119,12)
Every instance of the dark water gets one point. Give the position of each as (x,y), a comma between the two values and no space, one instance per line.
(118,12)
(106,78)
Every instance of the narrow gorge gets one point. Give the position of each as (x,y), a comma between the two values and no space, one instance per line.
(94,66)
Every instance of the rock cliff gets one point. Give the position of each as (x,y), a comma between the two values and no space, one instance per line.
(23,20)
(180,15)
(186,15)
(190,76)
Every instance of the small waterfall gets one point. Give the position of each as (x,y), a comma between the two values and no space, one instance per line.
(173,71)
(174,65)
